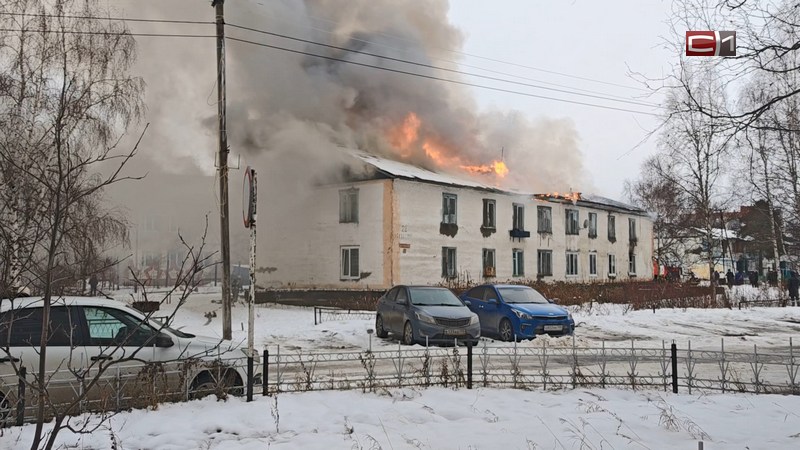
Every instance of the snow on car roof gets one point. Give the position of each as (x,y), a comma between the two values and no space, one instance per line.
(36,302)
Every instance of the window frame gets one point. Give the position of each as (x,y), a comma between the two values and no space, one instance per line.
(518,216)
(450,218)
(574,256)
(484,253)
(517,262)
(349,250)
(612,265)
(572,227)
(612,228)
(544,216)
(489,214)
(539,254)
(632,234)
(446,262)
(592,264)
(631,264)
(348,205)
(592,225)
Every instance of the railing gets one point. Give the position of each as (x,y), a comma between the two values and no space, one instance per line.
(329,313)
(538,367)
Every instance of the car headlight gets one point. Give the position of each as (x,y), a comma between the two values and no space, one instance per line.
(522,315)
(473,320)
(425,318)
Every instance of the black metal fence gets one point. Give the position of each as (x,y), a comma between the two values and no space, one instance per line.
(668,367)
(328,313)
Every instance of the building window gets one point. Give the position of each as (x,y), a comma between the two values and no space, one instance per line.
(518,261)
(592,264)
(632,264)
(448,262)
(449,208)
(612,228)
(592,225)
(350,269)
(348,206)
(488,263)
(612,266)
(518,218)
(572,221)
(544,266)
(572,264)
(489,213)
(544,215)
(632,229)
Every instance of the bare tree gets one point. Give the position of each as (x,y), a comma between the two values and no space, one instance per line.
(66,98)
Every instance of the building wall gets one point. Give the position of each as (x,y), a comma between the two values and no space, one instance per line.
(420,206)
(300,244)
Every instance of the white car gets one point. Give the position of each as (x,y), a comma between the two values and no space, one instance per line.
(142,361)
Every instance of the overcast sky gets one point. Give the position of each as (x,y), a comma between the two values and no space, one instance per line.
(590,39)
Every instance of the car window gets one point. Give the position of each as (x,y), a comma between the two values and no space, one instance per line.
(108,326)
(391,294)
(522,295)
(477,293)
(434,296)
(402,296)
(489,294)
(23,327)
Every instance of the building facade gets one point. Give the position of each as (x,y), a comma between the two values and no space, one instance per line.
(406,225)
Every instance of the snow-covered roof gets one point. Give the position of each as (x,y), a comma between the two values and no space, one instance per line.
(397,169)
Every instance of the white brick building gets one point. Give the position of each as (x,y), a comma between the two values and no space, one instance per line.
(407,225)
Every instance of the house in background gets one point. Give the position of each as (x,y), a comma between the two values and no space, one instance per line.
(408,225)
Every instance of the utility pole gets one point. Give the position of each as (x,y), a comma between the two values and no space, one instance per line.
(223,171)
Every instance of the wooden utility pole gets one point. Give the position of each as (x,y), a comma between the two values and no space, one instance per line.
(223,172)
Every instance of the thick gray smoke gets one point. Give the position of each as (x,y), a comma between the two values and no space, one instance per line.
(288,113)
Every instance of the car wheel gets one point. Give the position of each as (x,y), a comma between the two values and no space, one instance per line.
(206,384)
(380,331)
(506,331)
(408,334)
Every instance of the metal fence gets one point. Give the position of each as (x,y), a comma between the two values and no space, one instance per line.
(329,313)
(538,367)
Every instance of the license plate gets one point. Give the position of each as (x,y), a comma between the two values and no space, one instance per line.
(552,328)
(455,331)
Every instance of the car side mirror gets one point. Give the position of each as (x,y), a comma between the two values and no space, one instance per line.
(164,341)
(492,301)
(553,300)
(467,303)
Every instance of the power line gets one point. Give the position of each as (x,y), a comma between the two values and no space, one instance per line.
(419,75)
(538,69)
(121,19)
(430,66)
(432,77)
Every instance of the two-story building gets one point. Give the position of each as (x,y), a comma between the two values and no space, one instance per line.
(407,225)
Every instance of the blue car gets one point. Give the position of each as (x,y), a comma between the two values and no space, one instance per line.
(511,312)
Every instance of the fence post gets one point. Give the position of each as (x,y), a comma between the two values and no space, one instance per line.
(469,364)
(21,396)
(673,349)
(250,378)
(265,375)
(315,315)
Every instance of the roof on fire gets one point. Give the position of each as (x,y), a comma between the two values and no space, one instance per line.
(396,169)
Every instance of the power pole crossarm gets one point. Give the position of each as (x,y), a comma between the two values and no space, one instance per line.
(223,171)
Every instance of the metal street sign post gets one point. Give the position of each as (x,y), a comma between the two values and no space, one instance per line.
(249,214)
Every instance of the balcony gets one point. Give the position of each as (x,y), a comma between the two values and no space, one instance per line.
(519,234)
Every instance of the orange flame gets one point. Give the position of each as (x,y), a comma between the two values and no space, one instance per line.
(406,136)
(571,196)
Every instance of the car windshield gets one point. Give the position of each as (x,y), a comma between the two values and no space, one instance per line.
(521,295)
(433,297)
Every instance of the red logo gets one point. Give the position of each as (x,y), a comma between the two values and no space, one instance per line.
(710,43)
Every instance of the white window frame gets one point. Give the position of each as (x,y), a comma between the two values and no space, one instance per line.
(572,262)
(489,213)
(632,264)
(612,265)
(549,272)
(346,262)
(348,206)
(517,262)
(572,224)
(592,264)
(449,217)
(449,265)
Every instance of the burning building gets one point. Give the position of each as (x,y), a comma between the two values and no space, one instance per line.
(390,222)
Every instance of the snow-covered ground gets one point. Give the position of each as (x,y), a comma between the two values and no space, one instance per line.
(440,418)
(292,328)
